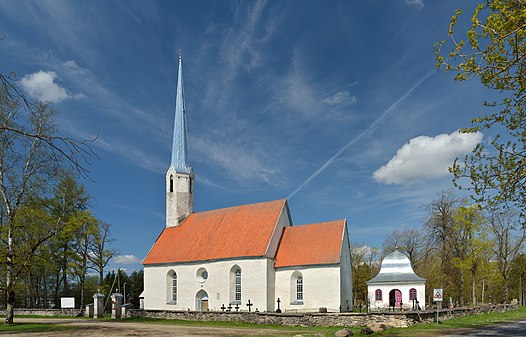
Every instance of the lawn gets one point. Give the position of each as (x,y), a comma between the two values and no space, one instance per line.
(468,322)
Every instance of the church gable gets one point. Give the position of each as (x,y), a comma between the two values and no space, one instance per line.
(240,231)
(312,244)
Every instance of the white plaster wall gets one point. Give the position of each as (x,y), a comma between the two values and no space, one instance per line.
(321,288)
(403,287)
(346,274)
(254,285)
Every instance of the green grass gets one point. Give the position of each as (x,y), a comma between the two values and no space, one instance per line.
(467,322)
(34,327)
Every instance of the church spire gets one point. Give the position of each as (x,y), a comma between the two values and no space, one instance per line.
(180,176)
(180,146)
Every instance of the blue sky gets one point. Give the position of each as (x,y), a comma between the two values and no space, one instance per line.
(333,104)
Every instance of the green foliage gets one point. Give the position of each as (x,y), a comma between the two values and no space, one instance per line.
(494,51)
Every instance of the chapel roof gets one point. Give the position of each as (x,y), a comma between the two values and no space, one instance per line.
(239,231)
(396,267)
(319,243)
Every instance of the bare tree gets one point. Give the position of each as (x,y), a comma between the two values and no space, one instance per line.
(509,236)
(409,241)
(101,254)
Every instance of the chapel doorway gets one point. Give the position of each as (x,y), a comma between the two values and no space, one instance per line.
(395,298)
(201,301)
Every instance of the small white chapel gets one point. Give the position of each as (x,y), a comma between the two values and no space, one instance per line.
(242,258)
(396,285)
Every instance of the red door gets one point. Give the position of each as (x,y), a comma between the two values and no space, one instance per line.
(395,298)
(398,298)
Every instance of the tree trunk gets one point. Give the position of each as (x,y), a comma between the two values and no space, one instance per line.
(10,287)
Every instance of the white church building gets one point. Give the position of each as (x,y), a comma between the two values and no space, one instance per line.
(396,285)
(243,257)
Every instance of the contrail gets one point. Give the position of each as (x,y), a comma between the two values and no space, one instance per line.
(369,130)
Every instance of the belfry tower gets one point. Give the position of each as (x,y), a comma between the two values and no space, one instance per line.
(180,176)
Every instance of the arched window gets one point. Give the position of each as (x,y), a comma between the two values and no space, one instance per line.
(299,289)
(174,287)
(412,294)
(171,287)
(235,285)
(238,285)
(171,182)
(378,295)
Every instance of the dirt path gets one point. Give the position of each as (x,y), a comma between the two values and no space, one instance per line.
(95,328)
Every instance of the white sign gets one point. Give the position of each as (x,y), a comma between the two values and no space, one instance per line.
(438,295)
(67,302)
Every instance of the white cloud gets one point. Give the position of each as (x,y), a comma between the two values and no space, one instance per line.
(425,158)
(126,259)
(340,98)
(416,3)
(41,86)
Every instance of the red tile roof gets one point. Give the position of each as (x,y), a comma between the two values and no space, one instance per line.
(319,243)
(238,231)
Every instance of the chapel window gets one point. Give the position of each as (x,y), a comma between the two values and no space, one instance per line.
(174,287)
(238,285)
(378,295)
(171,183)
(412,294)
(299,289)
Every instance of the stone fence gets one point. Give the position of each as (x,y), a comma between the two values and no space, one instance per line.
(391,319)
(45,312)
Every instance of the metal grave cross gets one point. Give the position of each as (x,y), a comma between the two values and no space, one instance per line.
(249,305)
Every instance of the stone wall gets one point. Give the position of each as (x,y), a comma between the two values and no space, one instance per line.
(45,312)
(392,319)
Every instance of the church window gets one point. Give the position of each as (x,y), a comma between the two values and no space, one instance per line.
(296,288)
(378,295)
(299,288)
(174,288)
(238,285)
(171,183)
(191,186)
(412,294)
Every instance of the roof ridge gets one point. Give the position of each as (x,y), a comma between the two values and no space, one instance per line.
(238,206)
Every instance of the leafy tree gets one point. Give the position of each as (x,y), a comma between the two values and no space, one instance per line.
(31,155)
(494,51)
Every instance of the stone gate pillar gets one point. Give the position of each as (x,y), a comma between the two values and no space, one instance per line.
(116,306)
(98,305)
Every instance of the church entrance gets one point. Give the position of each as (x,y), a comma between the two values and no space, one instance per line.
(201,301)
(395,298)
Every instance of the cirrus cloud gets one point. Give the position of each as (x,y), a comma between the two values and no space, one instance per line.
(425,158)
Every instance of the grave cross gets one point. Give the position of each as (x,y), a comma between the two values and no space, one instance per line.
(237,307)
(229,307)
(249,305)
(223,307)
(279,310)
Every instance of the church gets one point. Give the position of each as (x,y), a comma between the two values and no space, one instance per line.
(241,258)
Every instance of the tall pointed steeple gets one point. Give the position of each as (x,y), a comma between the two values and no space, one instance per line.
(180,143)
(180,176)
